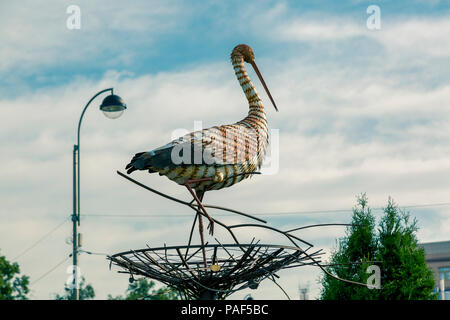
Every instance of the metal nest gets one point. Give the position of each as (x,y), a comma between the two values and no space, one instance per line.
(231,267)
(214,271)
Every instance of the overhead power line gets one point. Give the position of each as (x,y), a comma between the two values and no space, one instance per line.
(41,239)
(50,271)
(168,215)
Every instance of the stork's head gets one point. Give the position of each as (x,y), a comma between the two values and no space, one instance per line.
(246,52)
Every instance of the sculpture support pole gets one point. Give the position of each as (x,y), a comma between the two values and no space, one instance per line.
(202,239)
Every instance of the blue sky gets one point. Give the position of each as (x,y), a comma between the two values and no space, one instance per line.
(177,36)
(360,111)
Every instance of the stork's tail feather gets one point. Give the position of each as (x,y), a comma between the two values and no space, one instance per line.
(137,163)
(151,161)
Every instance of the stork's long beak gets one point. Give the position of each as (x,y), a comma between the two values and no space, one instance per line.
(255,67)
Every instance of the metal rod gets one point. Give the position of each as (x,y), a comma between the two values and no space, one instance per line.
(271,228)
(321,225)
(191,233)
(75,293)
(189,204)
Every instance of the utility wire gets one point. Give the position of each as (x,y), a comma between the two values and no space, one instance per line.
(261,214)
(41,239)
(93,253)
(49,271)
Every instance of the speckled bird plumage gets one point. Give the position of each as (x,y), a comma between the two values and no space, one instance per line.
(230,152)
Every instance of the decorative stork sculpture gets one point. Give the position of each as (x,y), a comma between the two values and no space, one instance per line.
(217,157)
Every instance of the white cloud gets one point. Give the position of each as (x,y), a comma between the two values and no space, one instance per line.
(299,30)
(412,36)
(36,36)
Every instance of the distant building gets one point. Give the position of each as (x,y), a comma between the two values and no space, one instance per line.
(438,259)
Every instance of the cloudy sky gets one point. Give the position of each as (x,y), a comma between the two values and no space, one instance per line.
(360,111)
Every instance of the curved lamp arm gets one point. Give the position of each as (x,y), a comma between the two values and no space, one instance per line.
(84,110)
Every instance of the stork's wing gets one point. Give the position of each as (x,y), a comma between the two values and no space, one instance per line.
(229,144)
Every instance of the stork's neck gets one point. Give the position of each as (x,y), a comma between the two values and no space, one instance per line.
(255,105)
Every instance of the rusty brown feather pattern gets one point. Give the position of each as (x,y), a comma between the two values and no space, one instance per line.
(233,149)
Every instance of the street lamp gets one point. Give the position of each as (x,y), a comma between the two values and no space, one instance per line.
(112,107)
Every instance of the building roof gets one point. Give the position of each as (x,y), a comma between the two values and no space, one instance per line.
(436,247)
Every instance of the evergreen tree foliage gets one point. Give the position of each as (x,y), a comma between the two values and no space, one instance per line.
(357,246)
(405,275)
(393,247)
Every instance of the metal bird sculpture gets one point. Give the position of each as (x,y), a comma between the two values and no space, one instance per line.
(220,156)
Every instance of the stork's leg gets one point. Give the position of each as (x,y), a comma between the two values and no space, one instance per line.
(200,229)
(200,205)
